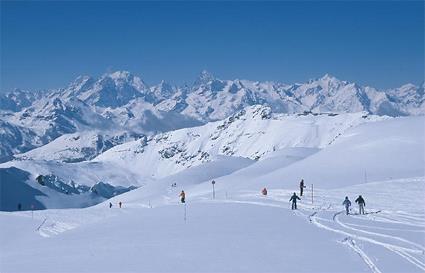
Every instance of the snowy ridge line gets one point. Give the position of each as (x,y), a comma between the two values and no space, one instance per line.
(351,244)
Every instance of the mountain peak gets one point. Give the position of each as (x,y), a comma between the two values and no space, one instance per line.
(328,77)
(120,75)
(205,77)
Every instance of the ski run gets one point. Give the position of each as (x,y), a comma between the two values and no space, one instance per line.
(234,225)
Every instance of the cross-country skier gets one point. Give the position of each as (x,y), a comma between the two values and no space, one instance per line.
(294,198)
(361,203)
(182,197)
(346,204)
(302,187)
(264,191)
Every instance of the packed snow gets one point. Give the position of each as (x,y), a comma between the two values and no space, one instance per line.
(236,228)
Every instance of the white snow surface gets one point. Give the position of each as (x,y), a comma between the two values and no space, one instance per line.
(240,230)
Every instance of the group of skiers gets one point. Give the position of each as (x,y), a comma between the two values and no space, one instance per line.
(346,203)
(360,201)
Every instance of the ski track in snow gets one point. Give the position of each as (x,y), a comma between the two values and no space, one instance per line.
(322,215)
(352,244)
(404,248)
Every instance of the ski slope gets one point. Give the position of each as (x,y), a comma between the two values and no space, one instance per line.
(241,230)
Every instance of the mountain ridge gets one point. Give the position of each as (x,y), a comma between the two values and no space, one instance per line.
(123,102)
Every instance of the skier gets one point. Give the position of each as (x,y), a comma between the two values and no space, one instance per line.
(182,197)
(264,191)
(361,203)
(302,187)
(120,204)
(110,205)
(19,206)
(346,204)
(294,198)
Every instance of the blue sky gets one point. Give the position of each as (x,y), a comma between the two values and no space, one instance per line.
(48,44)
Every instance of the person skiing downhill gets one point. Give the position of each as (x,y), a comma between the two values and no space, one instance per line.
(361,203)
(346,204)
(302,187)
(294,198)
(182,197)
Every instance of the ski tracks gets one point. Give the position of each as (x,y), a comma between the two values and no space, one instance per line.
(352,244)
(353,233)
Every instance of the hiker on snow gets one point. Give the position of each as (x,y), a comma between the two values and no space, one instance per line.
(302,187)
(264,191)
(182,197)
(361,203)
(294,198)
(346,204)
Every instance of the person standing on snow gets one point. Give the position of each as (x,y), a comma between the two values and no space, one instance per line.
(294,198)
(264,191)
(302,187)
(182,197)
(346,204)
(361,203)
(110,205)
(120,204)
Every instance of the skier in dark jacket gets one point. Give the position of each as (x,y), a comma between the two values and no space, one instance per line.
(346,204)
(110,205)
(294,198)
(361,203)
(302,187)
(182,197)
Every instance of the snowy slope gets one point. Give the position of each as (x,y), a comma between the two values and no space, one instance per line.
(252,133)
(77,147)
(241,230)
(382,150)
(237,232)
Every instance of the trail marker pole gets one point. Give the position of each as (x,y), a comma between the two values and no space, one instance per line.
(213,183)
(312,194)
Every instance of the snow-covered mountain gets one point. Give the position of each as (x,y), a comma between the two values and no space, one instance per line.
(81,160)
(123,104)
(251,133)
